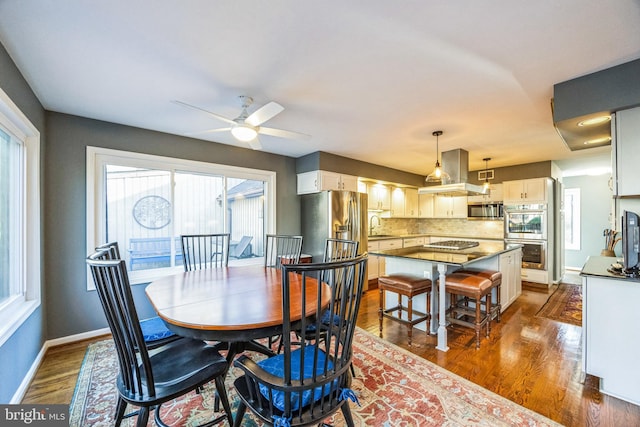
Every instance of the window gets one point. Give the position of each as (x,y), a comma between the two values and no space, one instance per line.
(572,218)
(146,202)
(19,217)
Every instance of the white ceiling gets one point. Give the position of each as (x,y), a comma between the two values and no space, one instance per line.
(370,80)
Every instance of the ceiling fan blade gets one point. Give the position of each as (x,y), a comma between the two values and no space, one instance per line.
(207,131)
(283,133)
(264,113)
(217,116)
(255,144)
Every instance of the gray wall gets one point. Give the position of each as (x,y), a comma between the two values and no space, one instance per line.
(19,352)
(71,308)
(595,206)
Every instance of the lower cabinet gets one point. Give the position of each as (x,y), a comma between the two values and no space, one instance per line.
(511,287)
(376,264)
(610,350)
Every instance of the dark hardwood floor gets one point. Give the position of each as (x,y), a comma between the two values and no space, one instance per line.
(529,360)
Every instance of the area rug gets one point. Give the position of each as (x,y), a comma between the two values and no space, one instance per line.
(564,305)
(394,388)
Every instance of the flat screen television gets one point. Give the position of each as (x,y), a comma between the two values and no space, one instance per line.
(630,241)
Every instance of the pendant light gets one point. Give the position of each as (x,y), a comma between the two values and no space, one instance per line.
(438,174)
(486,187)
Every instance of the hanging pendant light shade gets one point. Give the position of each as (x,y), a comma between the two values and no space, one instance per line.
(486,187)
(438,174)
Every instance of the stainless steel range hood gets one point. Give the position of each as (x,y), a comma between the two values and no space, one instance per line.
(456,164)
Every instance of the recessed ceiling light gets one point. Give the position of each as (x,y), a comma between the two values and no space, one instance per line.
(598,140)
(594,121)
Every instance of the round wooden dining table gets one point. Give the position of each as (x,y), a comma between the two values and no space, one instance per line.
(236,305)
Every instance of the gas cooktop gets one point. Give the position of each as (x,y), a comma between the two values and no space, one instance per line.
(452,244)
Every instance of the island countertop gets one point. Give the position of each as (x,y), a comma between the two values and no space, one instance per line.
(454,257)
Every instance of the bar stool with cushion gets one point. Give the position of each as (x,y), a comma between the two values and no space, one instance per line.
(472,288)
(496,282)
(408,286)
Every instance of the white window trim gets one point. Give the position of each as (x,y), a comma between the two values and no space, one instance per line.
(575,216)
(16,313)
(96,159)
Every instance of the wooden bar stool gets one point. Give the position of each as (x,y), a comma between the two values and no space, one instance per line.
(473,288)
(496,282)
(408,286)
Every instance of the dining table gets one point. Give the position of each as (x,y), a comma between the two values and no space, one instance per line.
(236,305)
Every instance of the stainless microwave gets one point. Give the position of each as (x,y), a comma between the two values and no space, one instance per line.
(493,210)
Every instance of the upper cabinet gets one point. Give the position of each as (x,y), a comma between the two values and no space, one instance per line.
(529,191)
(425,205)
(379,196)
(411,203)
(494,195)
(404,202)
(316,181)
(450,207)
(626,154)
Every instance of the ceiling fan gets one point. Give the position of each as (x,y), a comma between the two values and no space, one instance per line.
(246,127)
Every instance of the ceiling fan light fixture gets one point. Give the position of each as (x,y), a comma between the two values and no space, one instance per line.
(243,132)
(438,174)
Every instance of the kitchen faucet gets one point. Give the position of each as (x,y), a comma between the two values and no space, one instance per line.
(371,223)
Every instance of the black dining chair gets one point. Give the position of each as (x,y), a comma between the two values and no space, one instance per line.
(155,332)
(307,382)
(148,379)
(335,250)
(201,251)
(281,249)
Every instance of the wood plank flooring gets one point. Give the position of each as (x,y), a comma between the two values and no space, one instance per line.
(532,361)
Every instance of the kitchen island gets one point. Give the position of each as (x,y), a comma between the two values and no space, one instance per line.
(437,262)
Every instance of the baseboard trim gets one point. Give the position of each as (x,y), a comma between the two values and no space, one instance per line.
(26,381)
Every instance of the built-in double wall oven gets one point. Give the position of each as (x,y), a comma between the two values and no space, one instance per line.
(527,225)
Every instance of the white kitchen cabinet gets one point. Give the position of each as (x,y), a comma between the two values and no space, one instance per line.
(494,196)
(626,154)
(379,197)
(411,203)
(398,202)
(609,352)
(376,264)
(425,209)
(450,207)
(529,191)
(413,241)
(511,287)
(319,180)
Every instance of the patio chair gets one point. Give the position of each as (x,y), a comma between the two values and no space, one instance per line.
(201,251)
(148,380)
(155,332)
(238,248)
(307,382)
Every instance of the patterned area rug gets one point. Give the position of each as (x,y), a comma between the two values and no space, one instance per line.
(564,305)
(394,387)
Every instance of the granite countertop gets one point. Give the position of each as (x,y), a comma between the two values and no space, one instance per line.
(599,266)
(459,257)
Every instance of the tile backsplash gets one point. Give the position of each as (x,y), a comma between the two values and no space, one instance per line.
(492,229)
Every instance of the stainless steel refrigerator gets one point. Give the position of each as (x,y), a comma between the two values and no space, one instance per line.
(333,214)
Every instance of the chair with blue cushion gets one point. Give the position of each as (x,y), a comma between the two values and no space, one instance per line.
(148,379)
(155,332)
(308,381)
